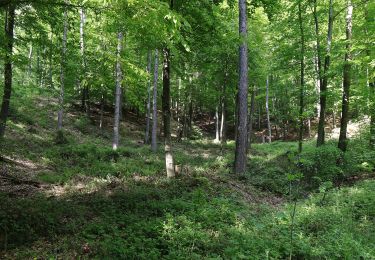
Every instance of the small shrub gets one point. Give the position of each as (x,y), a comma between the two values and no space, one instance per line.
(82,124)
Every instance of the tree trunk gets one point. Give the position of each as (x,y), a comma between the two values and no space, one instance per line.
(269,137)
(154,145)
(83,81)
(62,73)
(324,81)
(217,129)
(235,116)
(371,82)
(102,104)
(241,140)
(148,108)
(8,73)
(251,115)
(302,78)
(30,62)
(223,126)
(309,127)
(347,81)
(119,76)
(167,115)
(121,102)
(190,121)
(50,72)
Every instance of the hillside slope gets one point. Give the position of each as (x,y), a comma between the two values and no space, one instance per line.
(82,200)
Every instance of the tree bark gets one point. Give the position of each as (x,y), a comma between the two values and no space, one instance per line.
(217,125)
(30,61)
(119,77)
(83,82)
(302,78)
(167,115)
(102,104)
(324,81)
(62,73)
(241,140)
(347,81)
(148,107)
(154,145)
(223,125)
(251,115)
(269,137)
(8,72)
(190,121)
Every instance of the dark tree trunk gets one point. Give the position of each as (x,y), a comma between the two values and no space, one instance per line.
(235,116)
(371,82)
(347,81)
(154,145)
(241,140)
(259,117)
(269,134)
(167,115)
(302,78)
(323,86)
(8,73)
(148,106)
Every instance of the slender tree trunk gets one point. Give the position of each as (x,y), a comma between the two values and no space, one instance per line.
(30,62)
(309,127)
(167,115)
(50,72)
(217,124)
(83,81)
(318,56)
(250,125)
(190,121)
(324,82)
(317,85)
(269,137)
(347,81)
(241,140)
(102,104)
(121,102)
(371,81)
(119,78)
(8,72)
(38,69)
(223,126)
(62,73)
(179,112)
(154,145)
(148,108)
(302,78)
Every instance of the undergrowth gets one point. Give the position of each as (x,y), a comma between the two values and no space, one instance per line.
(118,204)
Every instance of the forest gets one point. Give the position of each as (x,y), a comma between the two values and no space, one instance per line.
(187,129)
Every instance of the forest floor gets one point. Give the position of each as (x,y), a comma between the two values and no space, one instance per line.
(83,200)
